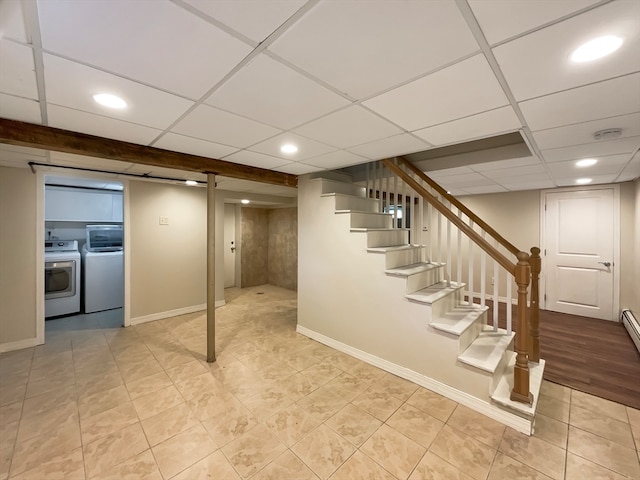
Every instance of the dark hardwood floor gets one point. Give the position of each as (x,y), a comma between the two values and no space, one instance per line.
(590,355)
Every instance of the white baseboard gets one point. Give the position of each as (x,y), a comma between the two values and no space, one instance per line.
(19,345)
(169,313)
(514,421)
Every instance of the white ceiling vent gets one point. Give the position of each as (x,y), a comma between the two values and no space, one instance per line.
(607,134)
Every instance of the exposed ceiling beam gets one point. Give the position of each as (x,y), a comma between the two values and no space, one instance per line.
(24,134)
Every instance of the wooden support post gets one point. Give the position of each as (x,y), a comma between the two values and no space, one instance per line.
(520,392)
(211,267)
(534,318)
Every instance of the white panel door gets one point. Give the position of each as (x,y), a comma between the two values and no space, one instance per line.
(229,245)
(579,244)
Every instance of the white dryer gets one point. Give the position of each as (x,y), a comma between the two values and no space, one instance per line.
(61,278)
(103,268)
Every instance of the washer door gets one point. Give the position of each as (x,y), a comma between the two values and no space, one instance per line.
(59,279)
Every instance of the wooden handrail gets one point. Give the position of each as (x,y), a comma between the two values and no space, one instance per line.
(461,206)
(507,264)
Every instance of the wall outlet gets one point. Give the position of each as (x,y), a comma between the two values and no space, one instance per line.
(163,220)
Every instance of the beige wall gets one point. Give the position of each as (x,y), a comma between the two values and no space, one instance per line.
(629,285)
(283,248)
(269,246)
(168,262)
(17,255)
(634,300)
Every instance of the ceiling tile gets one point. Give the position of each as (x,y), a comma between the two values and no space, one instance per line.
(500,20)
(494,122)
(173,49)
(611,98)
(349,127)
(529,185)
(463,89)
(338,159)
(596,180)
(306,148)
(445,172)
(245,157)
(582,133)
(17,74)
(352,45)
(547,67)
(298,169)
(391,146)
(12,24)
(501,164)
(214,125)
(255,19)
(524,171)
(22,109)
(72,85)
(607,165)
(464,179)
(194,146)
(284,98)
(590,150)
(521,178)
(83,122)
(20,159)
(631,171)
(484,189)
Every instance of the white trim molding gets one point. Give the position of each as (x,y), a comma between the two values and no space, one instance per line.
(20,344)
(169,313)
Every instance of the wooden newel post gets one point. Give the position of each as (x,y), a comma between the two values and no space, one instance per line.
(520,392)
(534,318)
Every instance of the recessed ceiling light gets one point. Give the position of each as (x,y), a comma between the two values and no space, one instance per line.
(288,148)
(596,48)
(191,183)
(108,100)
(244,201)
(586,162)
(584,181)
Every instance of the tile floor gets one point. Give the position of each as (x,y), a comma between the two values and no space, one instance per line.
(102,402)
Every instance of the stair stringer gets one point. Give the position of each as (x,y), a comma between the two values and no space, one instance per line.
(345,295)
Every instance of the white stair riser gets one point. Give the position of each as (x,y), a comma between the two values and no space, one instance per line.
(360,204)
(447,303)
(407,256)
(332,186)
(501,367)
(471,333)
(370,220)
(424,279)
(387,238)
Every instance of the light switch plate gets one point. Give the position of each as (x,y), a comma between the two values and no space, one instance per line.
(163,220)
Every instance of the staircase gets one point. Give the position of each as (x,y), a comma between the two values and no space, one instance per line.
(365,290)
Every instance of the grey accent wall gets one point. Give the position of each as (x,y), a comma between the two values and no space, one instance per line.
(255,247)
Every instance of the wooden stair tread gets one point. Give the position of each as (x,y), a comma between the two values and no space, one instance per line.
(378,229)
(434,292)
(414,268)
(364,212)
(392,248)
(486,351)
(456,321)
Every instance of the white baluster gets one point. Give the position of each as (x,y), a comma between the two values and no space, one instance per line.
(471,262)
(459,253)
(496,283)
(483,273)
(509,303)
(448,270)
(368,195)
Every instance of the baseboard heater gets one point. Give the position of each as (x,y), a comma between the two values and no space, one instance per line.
(630,322)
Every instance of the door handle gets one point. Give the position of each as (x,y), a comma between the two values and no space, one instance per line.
(606,264)
(233,249)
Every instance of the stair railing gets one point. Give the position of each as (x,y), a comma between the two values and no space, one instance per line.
(403,190)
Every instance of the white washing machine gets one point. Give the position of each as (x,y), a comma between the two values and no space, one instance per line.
(103,280)
(61,278)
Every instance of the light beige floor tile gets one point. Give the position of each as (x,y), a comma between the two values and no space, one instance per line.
(367,373)
(361,466)
(212,467)
(68,466)
(175,358)
(599,405)
(395,386)
(430,402)
(555,390)
(10,413)
(55,399)
(323,451)
(156,402)
(354,424)
(13,378)
(634,420)
(253,450)
(579,468)
(602,425)
(554,408)
(52,368)
(551,430)
(183,450)
(168,423)
(297,360)
(322,372)
(134,370)
(150,384)
(8,435)
(88,385)
(534,452)
(291,424)
(322,403)
(107,452)
(140,467)
(286,467)
(299,385)
(229,422)
(420,427)
(54,359)
(209,404)
(264,404)
(604,452)
(107,422)
(12,394)
(47,421)
(341,360)
(92,404)
(393,451)
(347,386)
(464,452)
(506,468)
(377,403)
(183,371)
(432,467)
(480,427)
(5,462)
(38,450)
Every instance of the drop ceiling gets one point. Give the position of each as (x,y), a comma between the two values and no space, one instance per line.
(347,81)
